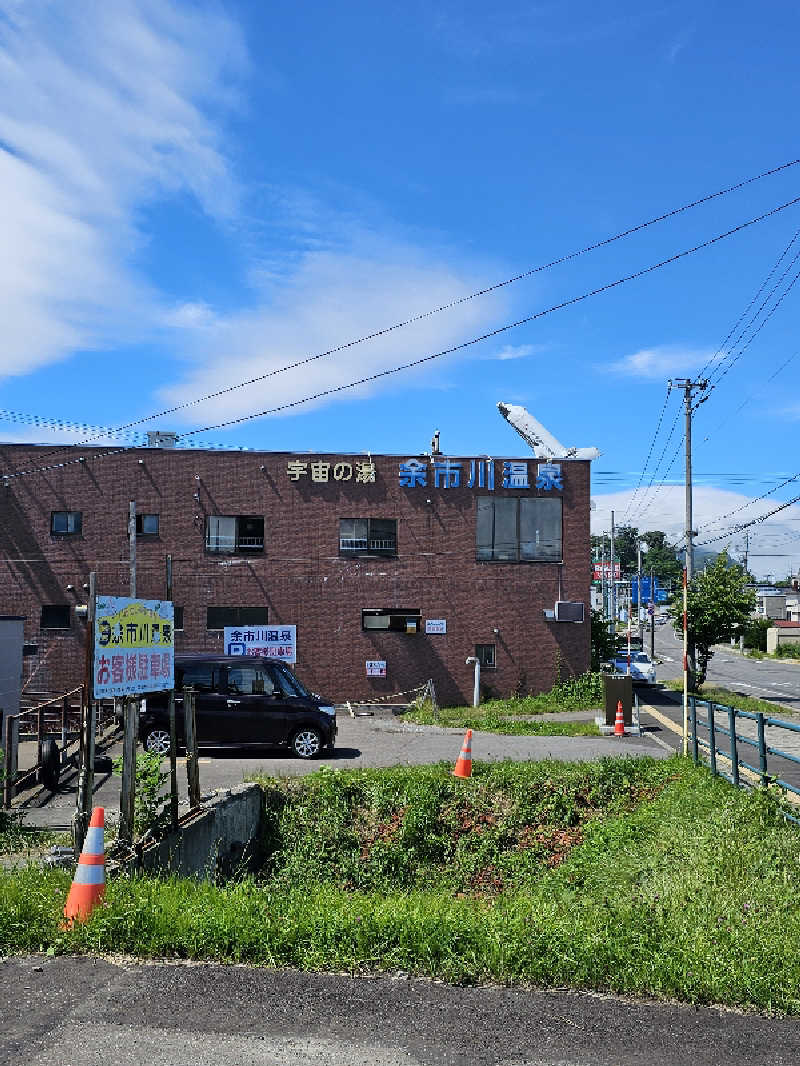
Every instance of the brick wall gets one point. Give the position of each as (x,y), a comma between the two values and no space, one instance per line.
(300,576)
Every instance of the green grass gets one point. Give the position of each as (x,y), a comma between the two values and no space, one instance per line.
(730,699)
(493,718)
(507,715)
(630,875)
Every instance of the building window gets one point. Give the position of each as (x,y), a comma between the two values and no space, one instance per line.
(178,620)
(235,533)
(510,529)
(64,522)
(368,536)
(486,656)
(395,619)
(220,617)
(55,616)
(146,525)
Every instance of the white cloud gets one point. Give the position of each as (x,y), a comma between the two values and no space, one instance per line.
(330,297)
(662,362)
(104,107)
(518,351)
(774,545)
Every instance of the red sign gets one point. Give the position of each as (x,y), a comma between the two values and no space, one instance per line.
(604,572)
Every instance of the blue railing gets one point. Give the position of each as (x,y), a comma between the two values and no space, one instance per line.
(731,750)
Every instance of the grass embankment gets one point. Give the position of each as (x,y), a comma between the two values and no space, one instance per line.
(511,717)
(636,876)
(731,699)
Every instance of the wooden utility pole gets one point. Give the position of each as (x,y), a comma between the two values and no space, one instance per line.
(83,808)
(132,544)
(127,798)
(173,734)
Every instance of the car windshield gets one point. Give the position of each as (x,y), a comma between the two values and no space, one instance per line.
(639,657)
(292,686)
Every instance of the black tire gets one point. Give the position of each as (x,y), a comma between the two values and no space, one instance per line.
(50,766)
(156,740)
(307,742)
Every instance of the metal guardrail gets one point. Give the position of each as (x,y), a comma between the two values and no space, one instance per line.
(739,767)
(59,717)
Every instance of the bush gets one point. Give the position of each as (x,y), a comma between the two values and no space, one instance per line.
(788,651)
(755,633)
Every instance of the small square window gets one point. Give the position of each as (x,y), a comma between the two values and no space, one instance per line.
(368,536)
(235,533)
(65,522)
(55,616)
(146,525)
(486,656)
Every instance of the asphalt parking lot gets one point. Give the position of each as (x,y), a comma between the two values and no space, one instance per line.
(380,739)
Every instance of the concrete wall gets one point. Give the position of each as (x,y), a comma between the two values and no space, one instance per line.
(218,842)
(776,637)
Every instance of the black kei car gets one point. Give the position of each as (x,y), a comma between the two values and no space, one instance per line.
(242,702)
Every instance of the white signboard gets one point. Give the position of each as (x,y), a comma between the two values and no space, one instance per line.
(376,668)
(271,642)
(435,625)
(134,646)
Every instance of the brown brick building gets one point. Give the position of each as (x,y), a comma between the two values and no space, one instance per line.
(361,552)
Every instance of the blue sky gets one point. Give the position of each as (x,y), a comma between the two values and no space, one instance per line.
(194,195)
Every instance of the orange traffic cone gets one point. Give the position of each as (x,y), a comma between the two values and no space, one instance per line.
(619,721)
(89,883)
(463,767)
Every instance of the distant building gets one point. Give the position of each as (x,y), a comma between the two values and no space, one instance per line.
(412,563)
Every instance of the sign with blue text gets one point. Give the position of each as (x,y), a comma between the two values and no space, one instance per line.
(478,474)
(435,625)
(270,642)
(133,646)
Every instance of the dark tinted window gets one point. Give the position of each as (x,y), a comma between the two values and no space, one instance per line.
(66,521)
(55,616)
(178,617)
(485,654)
(250,681)
(147,525)
(203,677)
(219,617)
(510,529)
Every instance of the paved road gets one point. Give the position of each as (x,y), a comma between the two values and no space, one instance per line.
(381,740)
(768,679)
(93,1012)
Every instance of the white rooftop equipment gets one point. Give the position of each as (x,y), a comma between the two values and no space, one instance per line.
(543,443)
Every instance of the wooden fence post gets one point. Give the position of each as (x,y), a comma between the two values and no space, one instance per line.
(10,753)
(190,733)
(127,799)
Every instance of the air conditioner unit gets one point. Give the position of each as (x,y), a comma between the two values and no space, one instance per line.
(569,611)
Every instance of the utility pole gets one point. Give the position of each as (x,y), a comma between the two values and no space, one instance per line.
(689,387)
(132,543)
(652,616)
(613,583)
(603,575)
(746,548)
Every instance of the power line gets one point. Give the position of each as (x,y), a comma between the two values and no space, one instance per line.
(500,329)
(460,300)
(746,525)
(378,375)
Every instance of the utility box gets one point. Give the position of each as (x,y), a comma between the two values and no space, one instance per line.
(618,687)
(11,639)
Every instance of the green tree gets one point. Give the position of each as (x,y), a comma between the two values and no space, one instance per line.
(602,640)
(660,558)
(717,603)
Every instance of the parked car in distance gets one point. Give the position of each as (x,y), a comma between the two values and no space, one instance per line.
(241,702)
(642,669)
(661,620)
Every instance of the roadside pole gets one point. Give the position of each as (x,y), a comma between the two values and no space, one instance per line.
(190,734)
(173,735)
(613,584)
(652,617)
(80,819)
(685,669)
(127,799)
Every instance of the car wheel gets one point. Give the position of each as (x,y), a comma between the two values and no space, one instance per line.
(156,741)
(306,743)
(50,766)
